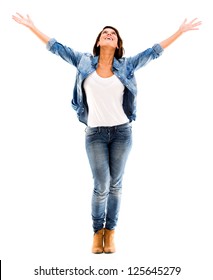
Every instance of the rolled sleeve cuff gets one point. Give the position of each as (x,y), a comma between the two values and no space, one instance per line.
(158,50)
(50,43)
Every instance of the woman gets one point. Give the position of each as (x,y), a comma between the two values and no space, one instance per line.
(104,98)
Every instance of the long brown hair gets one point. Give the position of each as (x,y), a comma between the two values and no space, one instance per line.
(119,52)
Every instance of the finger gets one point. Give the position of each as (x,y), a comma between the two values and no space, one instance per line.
(185,20)
(197,23)
(20,15)
(15,18)
(193,20)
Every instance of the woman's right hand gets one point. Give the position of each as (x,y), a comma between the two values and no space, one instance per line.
(26,21)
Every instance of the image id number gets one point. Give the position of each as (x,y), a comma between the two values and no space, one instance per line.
(154,270)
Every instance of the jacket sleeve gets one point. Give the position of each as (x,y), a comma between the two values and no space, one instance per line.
(66,53)
(146,56)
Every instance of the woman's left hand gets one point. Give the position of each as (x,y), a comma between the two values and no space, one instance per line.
(192,25)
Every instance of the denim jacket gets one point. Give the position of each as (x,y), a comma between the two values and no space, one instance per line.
(123,68)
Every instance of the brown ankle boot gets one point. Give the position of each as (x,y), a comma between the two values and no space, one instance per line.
(109,245)
(97,247)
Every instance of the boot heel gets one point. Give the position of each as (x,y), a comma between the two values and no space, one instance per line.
(109,244)
(97,246)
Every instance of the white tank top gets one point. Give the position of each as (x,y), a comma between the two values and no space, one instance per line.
(104,99)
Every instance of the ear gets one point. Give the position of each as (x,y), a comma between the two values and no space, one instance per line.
(98,44)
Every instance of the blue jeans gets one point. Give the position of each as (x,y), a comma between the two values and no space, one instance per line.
(107,149)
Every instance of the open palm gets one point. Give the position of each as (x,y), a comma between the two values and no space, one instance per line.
(192,25)
(23,20)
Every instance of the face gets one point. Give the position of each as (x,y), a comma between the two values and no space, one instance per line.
(108,38)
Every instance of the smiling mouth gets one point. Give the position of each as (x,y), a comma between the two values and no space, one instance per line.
(109,38)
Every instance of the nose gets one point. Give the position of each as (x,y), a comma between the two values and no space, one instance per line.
(109,33)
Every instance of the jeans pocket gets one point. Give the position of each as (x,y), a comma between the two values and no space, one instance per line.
(91,131)
(126,130)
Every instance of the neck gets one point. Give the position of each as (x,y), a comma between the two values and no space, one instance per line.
(106,57)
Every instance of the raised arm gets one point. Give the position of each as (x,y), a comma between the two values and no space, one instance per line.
(192,25)
(27,21)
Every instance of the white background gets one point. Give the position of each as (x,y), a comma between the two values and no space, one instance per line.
(45,179)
